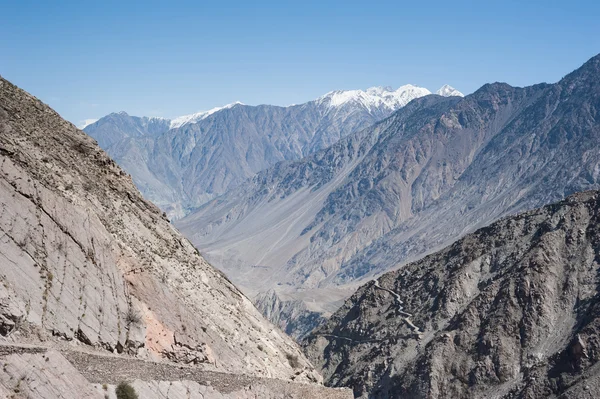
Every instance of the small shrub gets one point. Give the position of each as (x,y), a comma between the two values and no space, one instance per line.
(132,317)
(81,147)
(88,186)
(125,391)
(293,360)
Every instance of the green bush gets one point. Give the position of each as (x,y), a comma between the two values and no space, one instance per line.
(125,391)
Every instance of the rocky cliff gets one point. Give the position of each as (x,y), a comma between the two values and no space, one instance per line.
(510,311)
(86,262)
(294,316)
(314,229)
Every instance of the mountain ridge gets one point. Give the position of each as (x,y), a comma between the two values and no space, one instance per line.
(445,91)
(180,169)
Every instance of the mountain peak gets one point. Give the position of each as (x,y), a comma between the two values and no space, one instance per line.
(374,97)
(85,123)
(198,116)
(448,91)
(584,75)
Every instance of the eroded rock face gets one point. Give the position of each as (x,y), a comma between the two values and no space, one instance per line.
(293,316)
(511,310)
(85,259)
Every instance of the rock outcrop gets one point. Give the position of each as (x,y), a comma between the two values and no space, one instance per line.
(510,311)
(293,316)
(86,261)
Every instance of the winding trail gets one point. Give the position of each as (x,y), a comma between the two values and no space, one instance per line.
(356,341)
(406,316)
(107,368)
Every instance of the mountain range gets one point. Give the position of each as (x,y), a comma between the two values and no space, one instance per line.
(397,244)
(315,229)
(180,164)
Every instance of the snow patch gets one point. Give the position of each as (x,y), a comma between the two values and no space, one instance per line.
(374,97)
(449,91)
(85,123)
(198,116)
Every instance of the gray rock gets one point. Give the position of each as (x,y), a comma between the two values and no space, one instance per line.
(510,311)
(39,372)
(293,316)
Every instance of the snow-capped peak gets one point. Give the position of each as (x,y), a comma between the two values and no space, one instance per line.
(198,116)
(449,91)
(86,122)
(374,97)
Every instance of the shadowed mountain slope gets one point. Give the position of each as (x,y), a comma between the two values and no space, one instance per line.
(510,311)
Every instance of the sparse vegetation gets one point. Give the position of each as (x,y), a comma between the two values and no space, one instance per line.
(88,186)
(81,147)
(164,277)
(293,360)
(125,391)
(132,317)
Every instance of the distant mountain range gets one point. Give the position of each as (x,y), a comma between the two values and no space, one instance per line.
(180,164)
(314,229)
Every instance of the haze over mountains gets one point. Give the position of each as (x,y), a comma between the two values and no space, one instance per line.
(180,164)
(313,229)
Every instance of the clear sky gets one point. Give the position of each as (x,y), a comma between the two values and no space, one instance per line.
(89,58)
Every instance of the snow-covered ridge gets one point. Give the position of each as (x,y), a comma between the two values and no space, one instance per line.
(198,116)
(381,97)
(86,122)
(373,98)
(449,91)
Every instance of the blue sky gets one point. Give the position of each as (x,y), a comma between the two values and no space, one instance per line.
(87,59)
